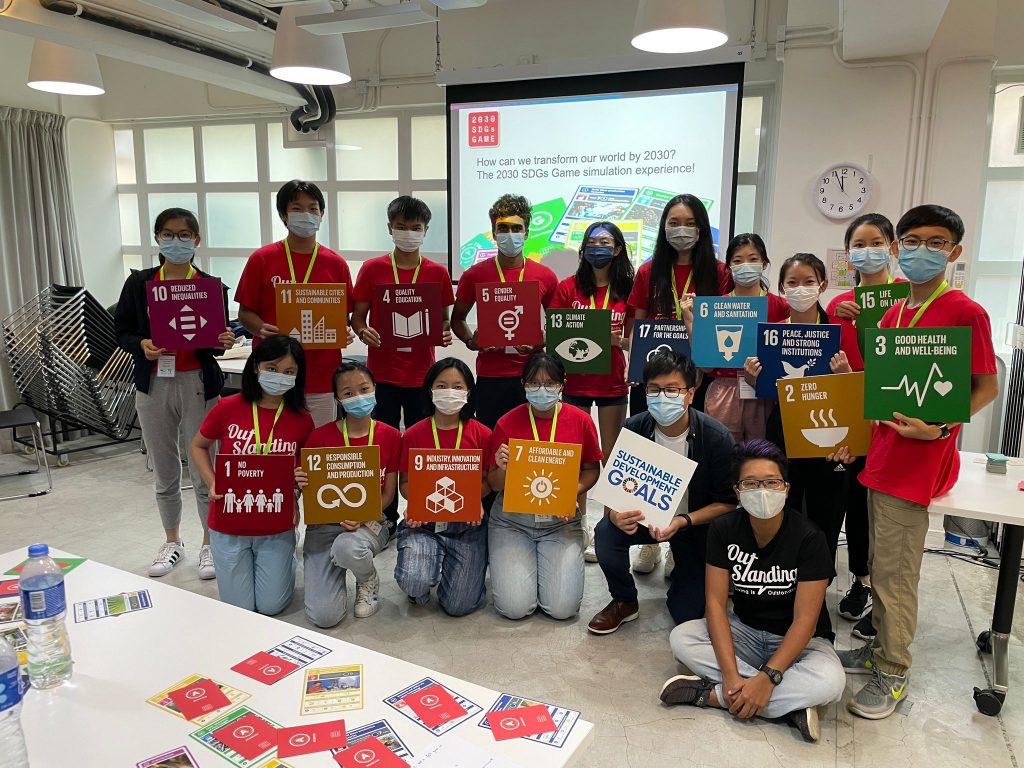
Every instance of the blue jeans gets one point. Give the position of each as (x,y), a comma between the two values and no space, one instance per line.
(454,561)
(815,678)
(329,552)
(535,562)
(255,572)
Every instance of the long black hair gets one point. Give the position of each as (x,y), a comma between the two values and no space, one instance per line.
(436,370)
(270,349)
(620,274)
(705,267)
(752,239)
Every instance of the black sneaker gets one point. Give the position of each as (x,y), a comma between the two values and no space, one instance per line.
(857,601)
(806,721)
(864,629)
(687,689)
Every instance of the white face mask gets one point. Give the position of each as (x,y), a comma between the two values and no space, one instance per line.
(449,401)
(762,503)
(682,238)
(407,240)
(803,297)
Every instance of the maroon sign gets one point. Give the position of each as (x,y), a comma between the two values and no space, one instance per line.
(408,316)
(256,490)
(186,314)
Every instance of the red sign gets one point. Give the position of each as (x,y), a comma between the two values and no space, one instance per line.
(408,316)
(444,486)
(508,314)
(369,753)
(525,721)
(257,490)
(200,698)
(315,737)
(265,667)
(186,314)
(483,129)
(249,736)
(435,706)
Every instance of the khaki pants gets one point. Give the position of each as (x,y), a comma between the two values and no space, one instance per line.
(896,547)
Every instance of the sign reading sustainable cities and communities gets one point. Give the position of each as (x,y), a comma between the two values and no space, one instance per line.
(314,314)
(725,329)
(581,339)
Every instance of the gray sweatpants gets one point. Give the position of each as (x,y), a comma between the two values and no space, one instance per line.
(173,405)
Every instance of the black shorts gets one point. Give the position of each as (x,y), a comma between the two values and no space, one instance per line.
(585,402)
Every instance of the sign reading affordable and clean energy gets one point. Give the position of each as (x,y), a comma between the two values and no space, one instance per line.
(186,314)
(821,414)
(651,337)
(542,478)
(725,329)
(314,314)
(508,314)
(920,372)
(256,492)
(444,486)
(408,316)
(581,339)
(640,474)
(874,302)
(344,484)
(793,351)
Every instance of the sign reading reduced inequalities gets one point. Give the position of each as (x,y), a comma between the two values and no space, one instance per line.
(408,316)
(314,314)
(508,314)
(651,337)
(542,478)
(793,351)
(444,486)
(186,314)
(581,339)
(821,414)
(725,329)
(256,491)
(344,484)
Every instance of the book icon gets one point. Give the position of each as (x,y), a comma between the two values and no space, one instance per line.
(416,324)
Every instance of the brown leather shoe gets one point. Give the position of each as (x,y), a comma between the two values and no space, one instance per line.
(614,615)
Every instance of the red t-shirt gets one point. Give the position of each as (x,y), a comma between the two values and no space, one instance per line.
(267,267)
(475,437)
(920,470)
(387,437)
(230,423)
(392,366)
(778,310)
(502,364)
(569,296)
(640,297)
(574,427)
(856,359)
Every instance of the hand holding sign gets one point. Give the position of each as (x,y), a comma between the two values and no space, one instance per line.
(341,484)
(186,314)
(508,314)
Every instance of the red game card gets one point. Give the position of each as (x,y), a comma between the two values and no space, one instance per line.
(265,668)
(435,706)
(200,698)
(9,588)
(525,721)
(370,753)
(315,737)
(249,736)
(508,314)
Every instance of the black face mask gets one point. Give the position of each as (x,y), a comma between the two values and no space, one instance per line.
(599,255)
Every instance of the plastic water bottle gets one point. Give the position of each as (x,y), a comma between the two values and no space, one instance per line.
(42,602)
(12,740)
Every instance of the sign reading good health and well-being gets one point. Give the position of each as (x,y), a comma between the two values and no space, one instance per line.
(186,314)
(581,339)
(793,351)
(640,474)
(920,372)
(408,316)
(444,486)
(542,478)
(344,484)
(725,329)
(651,337)
(314,314)
(256,491)
(508,314)
(822,414)
(874,302)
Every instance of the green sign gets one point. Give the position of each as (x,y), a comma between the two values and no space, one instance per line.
(874,301)
(581,339)
(919,372)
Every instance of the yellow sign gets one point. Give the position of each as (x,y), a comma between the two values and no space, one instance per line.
(821,414)
(344,484)
(314,314)
(542,478)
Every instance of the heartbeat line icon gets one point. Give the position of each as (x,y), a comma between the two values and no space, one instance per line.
(918,391)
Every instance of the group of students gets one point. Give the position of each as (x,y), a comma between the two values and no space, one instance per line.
(752,525)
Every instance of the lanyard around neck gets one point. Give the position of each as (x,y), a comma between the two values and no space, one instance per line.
(554,423)
(344,431)
(262,447)
(191,272)
(415,275)
(686,289)
(501,272)
(817,320)
(291,266)
(762,293)
(938,292)
(437,442)
(604,305)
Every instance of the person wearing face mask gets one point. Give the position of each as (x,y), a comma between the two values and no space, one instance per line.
(449,556)
(174,390)
(537,560)
(671,422)
(299,258)
(256,569)
(498,369)
(331,550)
(771,656)
(910,462)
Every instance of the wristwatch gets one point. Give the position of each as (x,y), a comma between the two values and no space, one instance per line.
(687,518)
(943,427)
(773,674)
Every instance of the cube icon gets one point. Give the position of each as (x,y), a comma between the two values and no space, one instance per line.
(444,499)
(445,486)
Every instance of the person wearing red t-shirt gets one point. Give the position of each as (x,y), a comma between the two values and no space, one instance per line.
(330,551)
(299,258)
(399,372)
(910,462)
(449,556)
(256,571)
(499,369)
(537,560)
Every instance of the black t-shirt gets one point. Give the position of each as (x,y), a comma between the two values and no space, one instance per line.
(764,580)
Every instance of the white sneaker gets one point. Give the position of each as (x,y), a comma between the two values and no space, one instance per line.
(589,553)
(170,555)
(206,569)
(367,597)
(670,565)
(647,558)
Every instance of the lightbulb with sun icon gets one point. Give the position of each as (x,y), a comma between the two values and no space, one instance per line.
(541,487)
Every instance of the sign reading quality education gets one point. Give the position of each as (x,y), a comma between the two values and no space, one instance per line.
(508,314)
(821,414)
(314,314)
(725,329)
(793,351)
(581,339)
(651,337)
(444,486)
(186,314)
(408,316)
(542,478)
(344,484)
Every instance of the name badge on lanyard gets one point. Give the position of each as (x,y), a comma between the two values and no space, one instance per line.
(165,366)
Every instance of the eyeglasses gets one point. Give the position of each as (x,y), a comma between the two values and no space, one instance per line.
(532,386)
(669,391)
(771,484)
(185,237)
(933,244)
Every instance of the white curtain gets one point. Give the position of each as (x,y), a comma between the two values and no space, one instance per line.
(38,239)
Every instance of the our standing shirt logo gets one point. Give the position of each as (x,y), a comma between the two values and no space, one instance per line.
(749,579)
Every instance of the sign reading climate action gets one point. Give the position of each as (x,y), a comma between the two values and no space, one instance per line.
(508,314)
(651,337)
(919,372)
(186,314)
(314,314)
(581,339)
(542,478)
(344,484)
(725,329)
(444,486)
(793,351)
(644,475)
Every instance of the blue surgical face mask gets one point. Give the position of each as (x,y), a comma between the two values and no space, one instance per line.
(510,243)
(543,399)
(870,261)
(176,251)
(921,265)
(747,274)
(303,224)
(666,410)
(599,255)
(360,406)
(274,383)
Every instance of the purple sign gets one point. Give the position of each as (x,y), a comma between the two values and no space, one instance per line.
(186,314)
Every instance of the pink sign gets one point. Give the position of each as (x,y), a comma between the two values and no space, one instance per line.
(186,314)
(408,316)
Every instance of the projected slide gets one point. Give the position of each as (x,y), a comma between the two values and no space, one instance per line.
(580,159)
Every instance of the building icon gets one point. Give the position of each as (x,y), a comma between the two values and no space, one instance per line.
(444,499)
(311,333)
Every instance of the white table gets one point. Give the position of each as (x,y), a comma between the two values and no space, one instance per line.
(982,495)
(101,718)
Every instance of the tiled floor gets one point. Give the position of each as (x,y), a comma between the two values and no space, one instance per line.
(103,509)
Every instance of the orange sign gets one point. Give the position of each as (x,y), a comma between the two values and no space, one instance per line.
(314,314)
(344,484)
(821,414)
(542,478)
(444,486)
